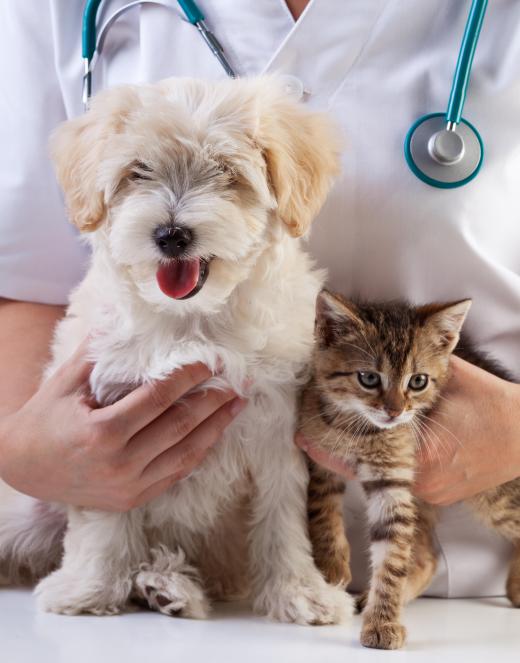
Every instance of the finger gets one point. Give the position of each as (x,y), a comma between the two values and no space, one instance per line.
(433,493)
(148,401)
(175,424)
(436,498)
(324,459)
(155,490)
(180,460)
(73,374)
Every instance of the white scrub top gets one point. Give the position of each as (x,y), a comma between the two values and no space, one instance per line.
(377,65)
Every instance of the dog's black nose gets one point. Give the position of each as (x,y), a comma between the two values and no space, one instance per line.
(172,240)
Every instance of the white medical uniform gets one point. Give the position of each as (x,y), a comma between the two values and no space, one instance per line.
(377,65)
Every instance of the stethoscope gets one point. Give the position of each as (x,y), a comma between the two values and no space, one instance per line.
(92,42)
(442,149)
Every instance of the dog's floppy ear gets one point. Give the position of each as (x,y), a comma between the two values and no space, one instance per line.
(302,152)
(78,148)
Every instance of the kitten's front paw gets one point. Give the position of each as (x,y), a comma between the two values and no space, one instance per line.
(304,602)
(69,594)
(389,635)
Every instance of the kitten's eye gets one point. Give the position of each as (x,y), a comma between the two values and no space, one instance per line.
(369,380)
(418,382)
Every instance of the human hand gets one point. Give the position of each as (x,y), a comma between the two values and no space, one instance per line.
(321,457)
(472,440)
(58,447)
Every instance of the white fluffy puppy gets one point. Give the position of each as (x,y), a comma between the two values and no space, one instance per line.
(193,194)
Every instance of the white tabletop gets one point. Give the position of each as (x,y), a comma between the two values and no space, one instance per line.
(478,630)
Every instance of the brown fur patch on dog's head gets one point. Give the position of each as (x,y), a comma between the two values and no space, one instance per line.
(302,152)
(79,147)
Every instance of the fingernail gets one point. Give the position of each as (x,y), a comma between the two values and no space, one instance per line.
(237,406)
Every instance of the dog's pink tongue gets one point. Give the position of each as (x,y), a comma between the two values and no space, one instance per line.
(178,278)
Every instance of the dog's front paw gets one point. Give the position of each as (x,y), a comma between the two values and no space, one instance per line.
(170,585)
(304,602)
(387,635)
(175,595)
(71,594)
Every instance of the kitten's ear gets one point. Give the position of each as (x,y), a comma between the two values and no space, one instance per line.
(445,321)
(334,317)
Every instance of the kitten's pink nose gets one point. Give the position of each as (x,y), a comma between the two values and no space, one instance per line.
(393,413)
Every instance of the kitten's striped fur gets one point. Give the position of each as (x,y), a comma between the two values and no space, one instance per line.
(340,415)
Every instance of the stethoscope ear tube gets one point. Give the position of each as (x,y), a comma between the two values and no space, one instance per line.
(92,45)
(88,30)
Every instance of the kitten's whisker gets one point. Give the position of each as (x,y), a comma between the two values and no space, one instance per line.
(364,336)
(433,447)
(448,400)
(352,430)
(428,442)
(443,428)
(356,347)
(425,441)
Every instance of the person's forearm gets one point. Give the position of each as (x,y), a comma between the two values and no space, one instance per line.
(25,335)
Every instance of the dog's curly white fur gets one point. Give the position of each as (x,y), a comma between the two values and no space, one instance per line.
(245,169)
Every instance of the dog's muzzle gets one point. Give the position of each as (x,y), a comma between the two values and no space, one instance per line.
(173,241)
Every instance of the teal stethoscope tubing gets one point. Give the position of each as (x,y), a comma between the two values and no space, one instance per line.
(89,37)
(457,99)
(459,88)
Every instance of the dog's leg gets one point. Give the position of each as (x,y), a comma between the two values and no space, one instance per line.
(287,584)
(100,552)
(170,585)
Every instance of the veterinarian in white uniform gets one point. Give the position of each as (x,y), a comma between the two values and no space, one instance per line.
(377,65)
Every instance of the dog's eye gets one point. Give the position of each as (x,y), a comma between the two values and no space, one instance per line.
(140,171)
(225,168)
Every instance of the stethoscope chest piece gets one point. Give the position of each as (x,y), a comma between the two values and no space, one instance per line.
(444,157)
(443,149)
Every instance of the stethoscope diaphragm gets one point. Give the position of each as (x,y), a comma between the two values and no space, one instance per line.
(443,149)
(442,157)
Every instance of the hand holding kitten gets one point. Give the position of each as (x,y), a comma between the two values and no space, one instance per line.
(473,437)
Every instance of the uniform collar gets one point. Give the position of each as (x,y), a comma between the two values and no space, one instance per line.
(324,44)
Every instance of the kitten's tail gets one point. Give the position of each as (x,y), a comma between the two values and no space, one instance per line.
(31,537)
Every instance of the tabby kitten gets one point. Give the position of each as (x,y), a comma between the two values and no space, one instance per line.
(378,370)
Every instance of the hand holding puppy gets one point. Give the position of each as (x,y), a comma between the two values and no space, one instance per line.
(59,447)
